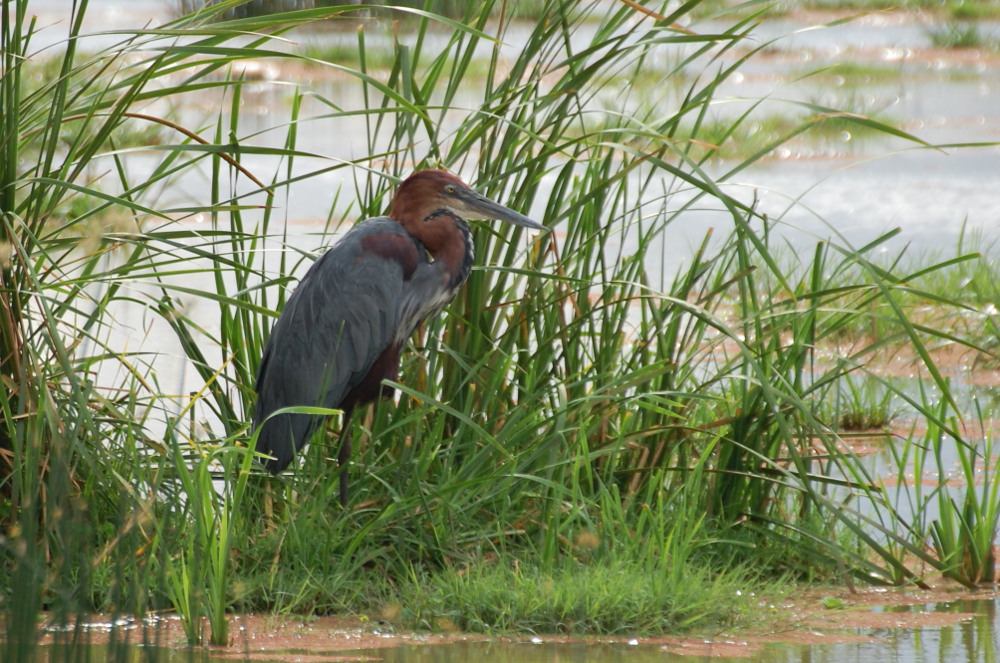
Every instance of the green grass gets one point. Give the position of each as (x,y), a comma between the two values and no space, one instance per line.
(858,73)
(864,406)
(619,597)
(570,422)
(960,9)
(723,140)
(958,34)
(973,11)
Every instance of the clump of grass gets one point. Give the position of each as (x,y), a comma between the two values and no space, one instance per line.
(781,131)
(861,73)
(948,487)
(957,34)
(958,10)
(349,55)
(863,407)
(955,8)
(615,597)
(973,10)
(865,418)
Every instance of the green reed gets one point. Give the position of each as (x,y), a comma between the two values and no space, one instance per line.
(581,408)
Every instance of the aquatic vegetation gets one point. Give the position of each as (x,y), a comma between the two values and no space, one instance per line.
(957,34)
(958,9)
(581,405)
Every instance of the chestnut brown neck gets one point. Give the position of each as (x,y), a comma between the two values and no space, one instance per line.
(424,210)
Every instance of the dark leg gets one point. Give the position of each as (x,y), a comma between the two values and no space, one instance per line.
(344,456)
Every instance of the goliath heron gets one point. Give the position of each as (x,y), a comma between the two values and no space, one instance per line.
(342,331)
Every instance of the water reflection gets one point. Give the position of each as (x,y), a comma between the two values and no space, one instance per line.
(523,652)
(973,641)
(903,634)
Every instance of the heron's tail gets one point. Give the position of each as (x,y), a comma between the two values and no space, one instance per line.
(282,436)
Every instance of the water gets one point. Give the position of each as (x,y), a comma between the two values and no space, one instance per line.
(842,186)
(965,630)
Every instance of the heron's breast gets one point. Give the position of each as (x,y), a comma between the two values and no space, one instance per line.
(370,388)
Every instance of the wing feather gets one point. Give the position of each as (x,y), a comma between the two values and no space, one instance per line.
(341,318)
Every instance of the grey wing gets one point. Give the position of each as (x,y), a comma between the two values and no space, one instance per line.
(339,320)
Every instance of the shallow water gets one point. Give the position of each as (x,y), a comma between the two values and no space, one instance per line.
(965,631)
(841,185)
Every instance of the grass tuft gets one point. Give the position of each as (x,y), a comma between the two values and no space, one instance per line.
(617,597)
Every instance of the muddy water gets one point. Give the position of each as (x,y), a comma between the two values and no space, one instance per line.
(909,631)
(841,186)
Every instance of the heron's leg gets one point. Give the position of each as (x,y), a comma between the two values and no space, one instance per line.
(344,456)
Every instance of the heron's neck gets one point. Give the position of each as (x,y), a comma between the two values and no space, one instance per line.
(455,250)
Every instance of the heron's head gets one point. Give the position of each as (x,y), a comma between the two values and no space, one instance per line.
(428,191)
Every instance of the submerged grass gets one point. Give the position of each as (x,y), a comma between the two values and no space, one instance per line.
(634,437)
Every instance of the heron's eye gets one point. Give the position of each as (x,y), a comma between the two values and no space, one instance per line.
(450,189)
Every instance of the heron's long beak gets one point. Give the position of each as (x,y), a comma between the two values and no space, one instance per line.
(476,206)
